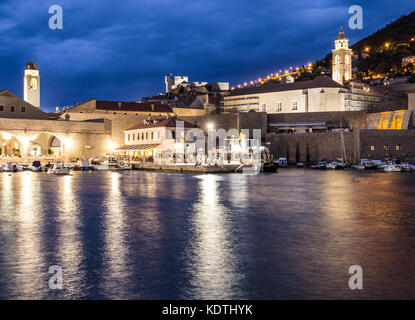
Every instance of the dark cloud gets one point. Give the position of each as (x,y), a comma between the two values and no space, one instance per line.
(122,49)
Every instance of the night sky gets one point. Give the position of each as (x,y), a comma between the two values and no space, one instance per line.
(121,50)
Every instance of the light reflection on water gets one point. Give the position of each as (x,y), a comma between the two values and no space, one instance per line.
(149,235)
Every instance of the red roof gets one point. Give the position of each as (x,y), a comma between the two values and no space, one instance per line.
(132,106)
(167,123)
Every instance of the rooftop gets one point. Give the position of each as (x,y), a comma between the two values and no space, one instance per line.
(167,123)
(317,82)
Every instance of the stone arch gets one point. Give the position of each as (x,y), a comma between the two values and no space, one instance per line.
(10,144)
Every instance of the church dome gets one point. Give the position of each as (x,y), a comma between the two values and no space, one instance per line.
(31,66)
(342,35)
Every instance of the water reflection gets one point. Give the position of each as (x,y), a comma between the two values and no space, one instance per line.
(69,246)
(212,260)
(116,275)
(29,256)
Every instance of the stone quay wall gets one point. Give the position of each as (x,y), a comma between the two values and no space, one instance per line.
(358,144)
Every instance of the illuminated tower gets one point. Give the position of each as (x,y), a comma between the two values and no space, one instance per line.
(31,85)
(342,59)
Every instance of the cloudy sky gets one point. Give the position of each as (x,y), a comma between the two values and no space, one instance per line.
(121,50)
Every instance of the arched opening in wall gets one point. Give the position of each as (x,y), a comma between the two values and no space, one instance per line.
(45,145)
(10,145)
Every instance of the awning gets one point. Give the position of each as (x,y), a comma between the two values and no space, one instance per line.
(136,147)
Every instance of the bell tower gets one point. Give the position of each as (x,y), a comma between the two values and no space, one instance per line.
(342,59)
(31,85)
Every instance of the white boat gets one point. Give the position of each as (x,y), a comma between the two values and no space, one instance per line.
(335,165)
(99,164)
(406,167)
(36,166)
(392,168)
(84,165)
(12,167)
(124,166)
(60,169)
(282,163)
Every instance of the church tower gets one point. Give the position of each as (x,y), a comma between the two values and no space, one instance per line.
(342,59)
(31,85)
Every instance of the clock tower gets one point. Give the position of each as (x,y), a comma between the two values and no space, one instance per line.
(342,59)
(31,85)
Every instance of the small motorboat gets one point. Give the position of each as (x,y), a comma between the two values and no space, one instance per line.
(100,164)
(84,165)
(322,165)
(282,163)
(36,166)
(300,165)
(123,166)
(60,169)
(392,168)
(12,167)
(336,165)
(406,167)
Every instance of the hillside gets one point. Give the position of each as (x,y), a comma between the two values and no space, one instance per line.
(380,54)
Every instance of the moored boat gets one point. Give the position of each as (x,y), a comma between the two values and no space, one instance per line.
(60,169)
(392,168)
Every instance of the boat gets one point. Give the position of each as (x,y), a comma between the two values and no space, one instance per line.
(12,167)
(100,164)
(84,165)
(36,166)
(393,168)
(300,165)
(335,165)
(60,169)
(282,163)
(321,165)
(406,167)
(123,166)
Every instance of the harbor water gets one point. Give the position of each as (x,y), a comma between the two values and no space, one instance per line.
(159,235)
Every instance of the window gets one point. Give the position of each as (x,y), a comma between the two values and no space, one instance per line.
(134,137)
(398,147)
(372,148)
(1,108)
(128,137)
(347,59)
(279,106)
(264,108)
(33,84)
(146,135)
(152,136)
(23,109)
(158,135)
(12,109)
(138,136)
(295,105)
(142,136)
(386,147)
(337,60)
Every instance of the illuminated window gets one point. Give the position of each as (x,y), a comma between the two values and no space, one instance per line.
(372,147)
(386,147)
(295,105)
(398,147)
(33,84)
(337,60)
(347,59)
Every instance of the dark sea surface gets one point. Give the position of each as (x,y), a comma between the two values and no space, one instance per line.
(154,235)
